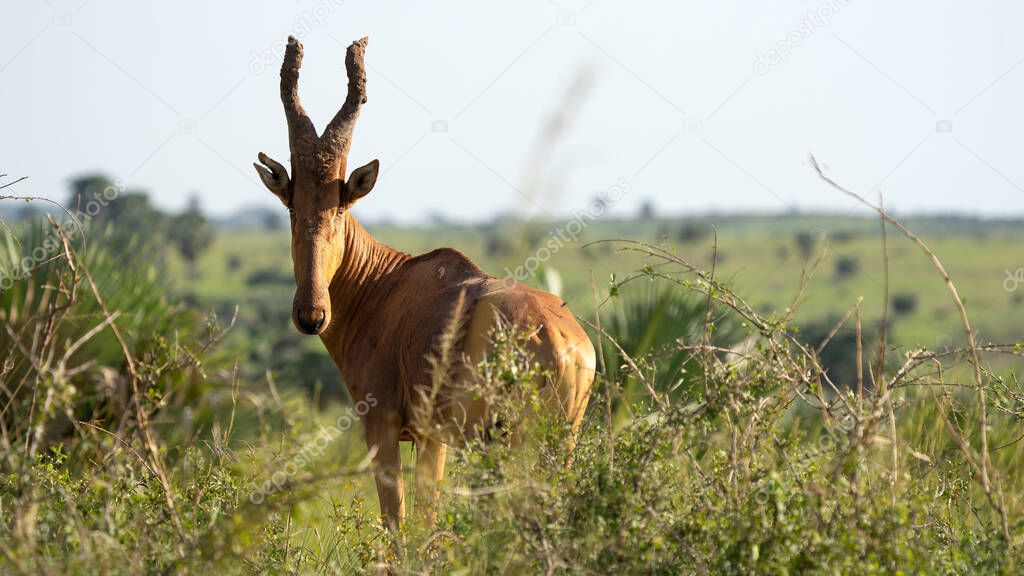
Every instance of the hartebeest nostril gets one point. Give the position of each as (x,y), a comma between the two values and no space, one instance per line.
(310,321)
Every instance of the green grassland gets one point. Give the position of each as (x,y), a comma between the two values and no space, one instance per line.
(758,257)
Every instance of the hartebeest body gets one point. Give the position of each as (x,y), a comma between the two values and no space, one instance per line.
(379,312)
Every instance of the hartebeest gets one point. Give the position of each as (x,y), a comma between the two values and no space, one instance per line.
(379,311)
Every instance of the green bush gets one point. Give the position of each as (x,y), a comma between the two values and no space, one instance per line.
(61,362)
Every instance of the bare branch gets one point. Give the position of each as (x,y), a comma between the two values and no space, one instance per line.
(11,183)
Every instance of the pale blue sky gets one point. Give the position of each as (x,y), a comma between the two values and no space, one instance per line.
(173,97)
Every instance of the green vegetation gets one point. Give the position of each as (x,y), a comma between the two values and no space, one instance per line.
(730,434)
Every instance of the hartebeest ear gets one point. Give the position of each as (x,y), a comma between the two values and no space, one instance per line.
(274,177)
(361,181)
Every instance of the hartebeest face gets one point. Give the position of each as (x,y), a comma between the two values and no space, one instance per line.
(317,193)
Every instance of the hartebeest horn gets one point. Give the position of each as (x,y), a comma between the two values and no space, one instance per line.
(337,138)
(300,128)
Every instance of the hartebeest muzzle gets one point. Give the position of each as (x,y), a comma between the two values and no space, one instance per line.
(311,306)
(310,319)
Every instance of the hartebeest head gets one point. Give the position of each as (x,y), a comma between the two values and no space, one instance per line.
(317,194)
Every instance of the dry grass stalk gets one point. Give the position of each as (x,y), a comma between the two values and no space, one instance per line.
(992,488)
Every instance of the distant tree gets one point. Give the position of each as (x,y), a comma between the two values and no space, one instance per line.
(693,232)
(272,220)
(647,210)
(804,244)
(839,357)
(436,218)
(127,218)
(86,188)
(904,303)
(269,277)
(133,213)
(191,233)
(846,266)
(497,245)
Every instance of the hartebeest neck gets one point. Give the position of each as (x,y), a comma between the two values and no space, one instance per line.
(359,284)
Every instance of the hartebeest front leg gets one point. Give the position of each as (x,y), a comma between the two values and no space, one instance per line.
(430,455)
(382,435)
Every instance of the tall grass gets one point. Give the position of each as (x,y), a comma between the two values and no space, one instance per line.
(697,456)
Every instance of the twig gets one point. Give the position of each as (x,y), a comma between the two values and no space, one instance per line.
(9,184)
(140,413)
(883,336)
(609,423)
(860,361)
(632,365)
(986,481)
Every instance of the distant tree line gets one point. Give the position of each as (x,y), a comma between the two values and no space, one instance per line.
(128,218)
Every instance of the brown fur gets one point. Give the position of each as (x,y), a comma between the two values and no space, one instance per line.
(381,313)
